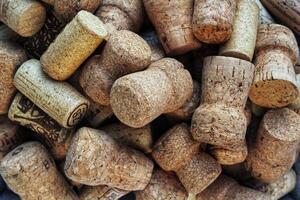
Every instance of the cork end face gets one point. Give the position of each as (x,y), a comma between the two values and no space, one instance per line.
(212,34)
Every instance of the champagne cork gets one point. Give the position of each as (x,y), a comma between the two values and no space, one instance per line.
(173,23)
(213,20)
(274,84)
(275,146)
(58,99)
(30,172)
(11,56)
(264,16)
(73,46)
(162,186)
(98,114)
(94,158)
(56,138)
(177,151)
(242,42)
(124,53)
(139,98)
(157,51)
(7,34)
(101,192)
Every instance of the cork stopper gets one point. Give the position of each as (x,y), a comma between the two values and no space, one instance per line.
(140,97)
(58,99)
(157,51)
(101,192)
(30,172)
(124,53)
(94,158)
(213,20)
(264,15)
(11,56)
(173,23)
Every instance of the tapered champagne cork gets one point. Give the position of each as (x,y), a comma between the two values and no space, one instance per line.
(11,57)
(124,53)
(264,15)
(101,192)
(25,113)
(173,23)
(30,172)
(157,51)
(98,114)
(94,158)
(162,186)
(177,151)
(275,146)
(213,20)
(139,98)
(242,42)
(58,99)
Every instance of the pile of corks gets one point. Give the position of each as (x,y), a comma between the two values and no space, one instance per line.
(149,99)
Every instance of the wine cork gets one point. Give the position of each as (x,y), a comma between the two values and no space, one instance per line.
(275,146)
(7,34)
(11,56)
(101,192)
(58,99)
(173,23)
(56,138)
(157,51)
(30,172)
(139,98)
(94,158)
(124,53)
(264,15)
(98,114)
(242,42)
(177,151)
(213,20)
(162,186)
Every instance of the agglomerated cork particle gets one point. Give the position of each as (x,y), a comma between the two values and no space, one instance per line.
(264,15)
(101,192)
(157,51)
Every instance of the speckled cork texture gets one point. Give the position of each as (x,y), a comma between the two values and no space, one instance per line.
(94,158)
(30,172)
(58,99)
(73,46)
(242,42)
(101,192)
(140,97)
(177,151)
(213,20)
(11,57)
(124,53)
(172,20)
(264,15)
(275,146)
(157,51)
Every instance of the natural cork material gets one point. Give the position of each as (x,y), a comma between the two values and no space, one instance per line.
(73,46)
(213,20)
(264,16)
(162,186)
(157,51)
(11,57)
(173,22)
(177,151)
(275,146)
(101,192)
(242,42)
(94,158)
(139,98)
(124,53)
(98,114)
(30,172)
(58,99)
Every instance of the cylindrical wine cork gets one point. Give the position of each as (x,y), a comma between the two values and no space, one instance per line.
(26,17)
(173,23)
(25,113)
(94,158)
(58,99)
(213,20)
(177,151)
(275,146)
(264,16)
(98,114)
(11,57)
(101,192)
(242,42)
(124,53)
(139,98)
(7,33)
(30,172)
(157,51)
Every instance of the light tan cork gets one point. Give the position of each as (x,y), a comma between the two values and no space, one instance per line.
(25,113)
(140,97)
(95,158)
(58,99)
(11,57)
(275,146)
(264,15)
(98,114)
(213,20)
(177,151)
(172,20)
(242,42)
(124,53)
(30,172)
(157,51)
(101,192)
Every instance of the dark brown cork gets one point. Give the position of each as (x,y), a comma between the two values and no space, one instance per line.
(157,51)
(101,192)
